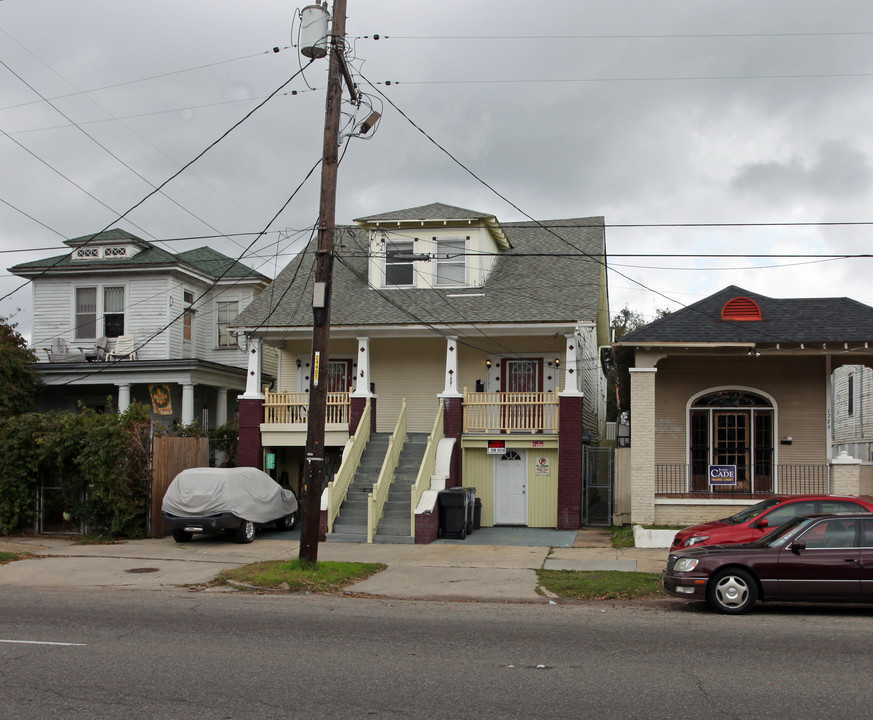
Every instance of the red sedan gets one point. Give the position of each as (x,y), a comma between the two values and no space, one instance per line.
(759,519)
(819,558)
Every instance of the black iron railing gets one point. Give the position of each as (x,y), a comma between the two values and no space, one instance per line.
(693,479)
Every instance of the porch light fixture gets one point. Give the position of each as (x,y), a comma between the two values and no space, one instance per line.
(557,362)
(753,353)
(298,363)
(488,363)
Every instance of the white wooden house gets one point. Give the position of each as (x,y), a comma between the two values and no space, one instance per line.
(174,310)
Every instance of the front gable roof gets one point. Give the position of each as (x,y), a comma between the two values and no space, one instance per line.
(782,320)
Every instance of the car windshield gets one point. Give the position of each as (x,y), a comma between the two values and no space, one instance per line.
(752,511)
(785,532)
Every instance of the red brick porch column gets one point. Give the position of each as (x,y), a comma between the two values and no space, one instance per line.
(570,471)
(453,427)
(251,415)
(356,412)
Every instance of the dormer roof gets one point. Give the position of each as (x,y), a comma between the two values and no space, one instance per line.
(436,215)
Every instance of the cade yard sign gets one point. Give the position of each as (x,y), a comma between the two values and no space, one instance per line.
(723,475)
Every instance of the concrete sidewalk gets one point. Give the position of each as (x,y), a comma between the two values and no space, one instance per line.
(440,571)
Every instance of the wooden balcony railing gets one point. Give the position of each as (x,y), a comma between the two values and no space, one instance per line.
(293,407)
(507,412)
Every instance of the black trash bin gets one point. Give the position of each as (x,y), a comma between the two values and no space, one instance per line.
(477,514)
(453,513)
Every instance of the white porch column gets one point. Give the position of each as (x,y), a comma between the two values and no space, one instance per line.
(362,377)
(253,379)
(187,404)
(450,386)
(123,397)
(221,406)
(571,368)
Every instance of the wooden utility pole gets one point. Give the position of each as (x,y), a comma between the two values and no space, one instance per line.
(314,470)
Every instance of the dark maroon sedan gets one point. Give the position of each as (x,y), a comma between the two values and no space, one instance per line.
(811,558)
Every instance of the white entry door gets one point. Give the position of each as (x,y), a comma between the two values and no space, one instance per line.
(510,488)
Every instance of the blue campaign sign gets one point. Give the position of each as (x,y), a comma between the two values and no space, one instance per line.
(722,474)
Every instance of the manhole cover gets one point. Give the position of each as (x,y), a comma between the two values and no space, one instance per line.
(142,570)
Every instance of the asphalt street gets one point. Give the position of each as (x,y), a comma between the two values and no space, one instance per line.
(175,653)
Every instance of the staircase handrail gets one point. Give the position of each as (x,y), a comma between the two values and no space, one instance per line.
(428,465)
(338,488)
(376,499)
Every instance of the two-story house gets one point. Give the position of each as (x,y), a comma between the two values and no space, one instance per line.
(120,317)
(478,339)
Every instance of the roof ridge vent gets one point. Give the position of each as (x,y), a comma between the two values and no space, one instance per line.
(741,309)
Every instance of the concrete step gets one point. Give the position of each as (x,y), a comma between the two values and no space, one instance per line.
(347,537)
(394,539)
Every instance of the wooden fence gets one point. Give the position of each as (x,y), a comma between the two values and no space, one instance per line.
(171,455)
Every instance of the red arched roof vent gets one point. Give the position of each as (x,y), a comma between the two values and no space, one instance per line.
(741,308)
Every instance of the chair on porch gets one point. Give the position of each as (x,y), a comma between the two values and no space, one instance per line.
(60,352)
(125,349)
(100,352)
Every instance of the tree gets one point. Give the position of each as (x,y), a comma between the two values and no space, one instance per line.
(623,322)
(18,380)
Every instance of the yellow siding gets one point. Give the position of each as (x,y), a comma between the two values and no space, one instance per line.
(542,490)
(479,473)
(797,385)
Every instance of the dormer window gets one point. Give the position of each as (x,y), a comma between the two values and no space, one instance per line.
(398,266)
(97,252)
(450,262)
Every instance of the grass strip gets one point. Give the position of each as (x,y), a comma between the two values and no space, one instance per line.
(6,557)
(601,584)
(324,577)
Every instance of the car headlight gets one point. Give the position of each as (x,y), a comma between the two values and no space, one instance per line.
(685,564)
(695,540)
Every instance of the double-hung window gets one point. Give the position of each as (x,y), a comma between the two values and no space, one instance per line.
(113,311)
(226,311)
(398,266)
(451,263)
(188,315)
(88,312)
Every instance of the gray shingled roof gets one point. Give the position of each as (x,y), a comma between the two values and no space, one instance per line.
(792,320)
(524,286)
(204,259)
(434,211)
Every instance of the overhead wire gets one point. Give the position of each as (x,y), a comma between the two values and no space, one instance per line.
(174,175)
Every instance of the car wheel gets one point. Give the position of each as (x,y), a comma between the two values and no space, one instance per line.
(245,533)
(180,535)
(289,522)
(731,591)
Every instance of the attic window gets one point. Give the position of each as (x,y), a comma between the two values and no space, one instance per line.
(115,252)
(741,309)
(90,252)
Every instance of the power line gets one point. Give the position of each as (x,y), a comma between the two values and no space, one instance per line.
(138,80)
(174,175)
(670,36)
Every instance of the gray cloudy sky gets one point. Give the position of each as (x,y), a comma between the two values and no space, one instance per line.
(648,113)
